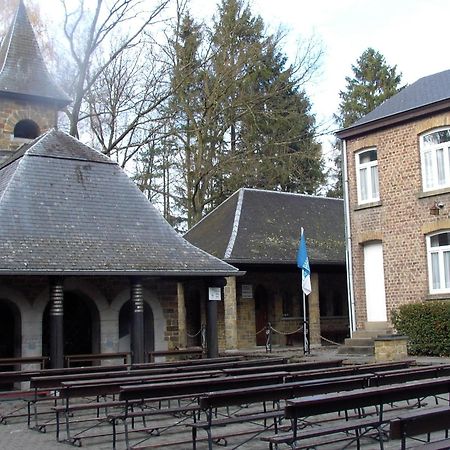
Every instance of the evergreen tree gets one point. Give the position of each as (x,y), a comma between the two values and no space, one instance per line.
(373,82)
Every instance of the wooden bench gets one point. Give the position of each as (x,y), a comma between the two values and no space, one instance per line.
(357,399)
(290,367)
(95,357)
(190,351)
(191,389)
(272,393)
(420,422)
(41,360)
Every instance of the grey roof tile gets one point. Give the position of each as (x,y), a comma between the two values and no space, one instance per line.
(22,68)
(77,211)
(267,226)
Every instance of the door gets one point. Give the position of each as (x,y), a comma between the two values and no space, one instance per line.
(374,282)
(261,314)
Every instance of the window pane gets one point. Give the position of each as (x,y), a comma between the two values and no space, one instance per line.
(436,281)
(437,137)
(447,269)
(440,165)
(363,183)
(365,157)
(440,240)
(374,174)
(428,161)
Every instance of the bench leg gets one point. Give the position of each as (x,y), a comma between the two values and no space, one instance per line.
(194,438)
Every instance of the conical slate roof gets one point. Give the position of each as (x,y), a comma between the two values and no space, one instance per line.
(22,69)
(255,226)
(65,208)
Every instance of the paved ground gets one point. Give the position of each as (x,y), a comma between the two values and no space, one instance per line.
(18,436)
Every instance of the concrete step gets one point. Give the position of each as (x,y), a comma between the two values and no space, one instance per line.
(360,350)
(359,342)
(366,334)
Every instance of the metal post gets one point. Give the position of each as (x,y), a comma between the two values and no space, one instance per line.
(306,347)
(137,332)
(56,324)
(211,330)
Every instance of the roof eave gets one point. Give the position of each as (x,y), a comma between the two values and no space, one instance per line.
(59,102)
(148,273)
(396,119)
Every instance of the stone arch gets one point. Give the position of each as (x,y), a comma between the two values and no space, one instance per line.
(151,302)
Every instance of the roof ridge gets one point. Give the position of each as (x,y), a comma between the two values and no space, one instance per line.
(269,191)
(234,230)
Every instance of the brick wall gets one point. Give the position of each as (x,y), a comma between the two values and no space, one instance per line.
(402,217)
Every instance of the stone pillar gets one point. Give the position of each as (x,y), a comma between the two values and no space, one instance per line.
(137,331)
(230,307)
(182,331)
(212,339)
(56,323)
(314,311)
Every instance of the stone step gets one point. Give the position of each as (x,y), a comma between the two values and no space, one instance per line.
(365,334)
(359,342)
(360,350)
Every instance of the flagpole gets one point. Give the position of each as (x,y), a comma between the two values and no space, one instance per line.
(305,328)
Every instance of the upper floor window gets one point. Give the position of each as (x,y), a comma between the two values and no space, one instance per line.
(435,154)
(367,176)
(438,249)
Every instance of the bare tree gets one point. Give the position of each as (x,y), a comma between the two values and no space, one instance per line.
(98,40)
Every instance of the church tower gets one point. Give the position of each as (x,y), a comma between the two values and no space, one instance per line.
(29,97)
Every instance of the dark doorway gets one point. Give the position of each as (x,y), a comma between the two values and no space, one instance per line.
(261,314)
(125,324)
(81,326)
(193,318)
(10,334)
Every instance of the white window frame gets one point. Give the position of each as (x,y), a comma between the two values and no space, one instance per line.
(438,252)
(373,196)
(432,151)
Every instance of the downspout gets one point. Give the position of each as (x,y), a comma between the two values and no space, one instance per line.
(348,242)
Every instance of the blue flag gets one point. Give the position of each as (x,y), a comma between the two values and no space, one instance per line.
(303,263)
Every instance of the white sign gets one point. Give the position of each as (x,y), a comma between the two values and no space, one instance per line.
(214,293)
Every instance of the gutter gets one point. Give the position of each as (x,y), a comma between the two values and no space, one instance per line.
(348,242)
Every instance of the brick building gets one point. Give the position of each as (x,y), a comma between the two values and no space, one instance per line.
(87,264)
(397,191)
(258,232)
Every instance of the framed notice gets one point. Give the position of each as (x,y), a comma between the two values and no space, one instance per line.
(214,294)
(247,291)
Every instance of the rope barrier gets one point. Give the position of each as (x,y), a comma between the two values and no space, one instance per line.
(194,335)
(331,342)
(261,330)
(286,334)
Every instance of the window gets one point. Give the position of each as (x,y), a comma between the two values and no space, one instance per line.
(438,249)
(26,129)
(435,154)
(367,176)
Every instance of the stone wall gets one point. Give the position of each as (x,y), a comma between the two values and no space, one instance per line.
(12,111)
(401,219)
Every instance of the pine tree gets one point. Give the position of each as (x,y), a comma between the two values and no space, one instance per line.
(373,82)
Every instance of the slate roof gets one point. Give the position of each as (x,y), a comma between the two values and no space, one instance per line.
(22,68)
(263,227)
(67,209)
(426,91)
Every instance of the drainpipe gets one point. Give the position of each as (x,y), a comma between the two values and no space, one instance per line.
(348,242)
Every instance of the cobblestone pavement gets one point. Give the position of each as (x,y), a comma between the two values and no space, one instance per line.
(17,436)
